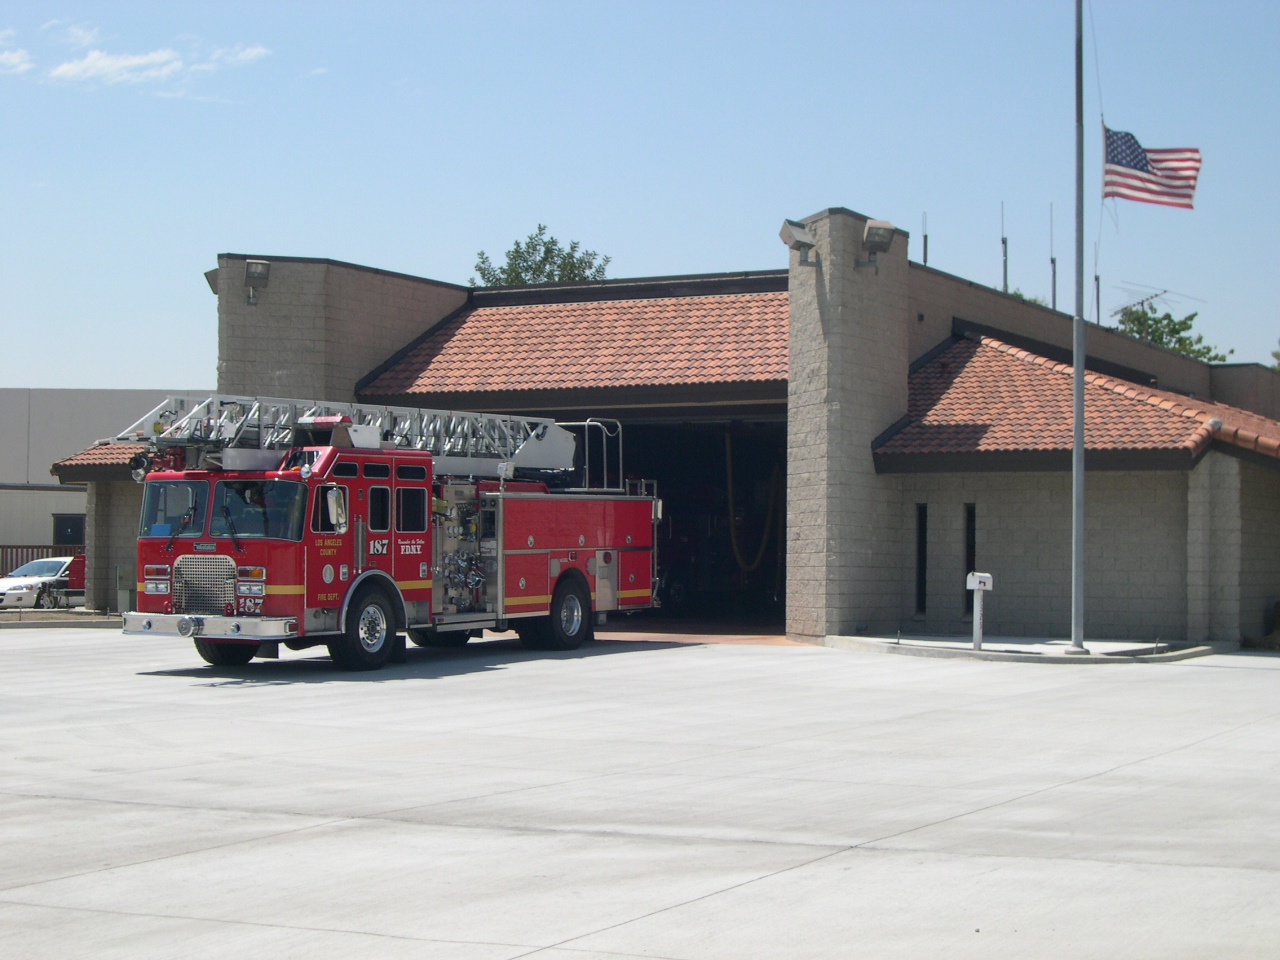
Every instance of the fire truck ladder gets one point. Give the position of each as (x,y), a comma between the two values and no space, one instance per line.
(462,444)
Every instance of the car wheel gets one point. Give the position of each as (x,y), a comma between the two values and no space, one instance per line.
(46,600)
(225,654)
(370,633)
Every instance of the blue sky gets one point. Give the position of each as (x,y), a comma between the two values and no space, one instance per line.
(140,140)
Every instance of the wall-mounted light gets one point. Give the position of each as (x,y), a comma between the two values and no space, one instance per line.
(796,236)
(256,275)
(211,278)
(877,237)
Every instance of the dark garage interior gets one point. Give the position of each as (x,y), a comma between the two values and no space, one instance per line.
(721,542)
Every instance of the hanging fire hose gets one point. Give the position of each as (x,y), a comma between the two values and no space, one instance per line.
(733,528)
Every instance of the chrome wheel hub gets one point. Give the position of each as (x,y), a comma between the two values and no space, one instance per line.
(373,628)
(571,615)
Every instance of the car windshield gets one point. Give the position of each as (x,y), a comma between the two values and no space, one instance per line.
(39,568)
(273,509)
(174,508)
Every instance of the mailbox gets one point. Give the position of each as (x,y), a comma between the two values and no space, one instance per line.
(978,581)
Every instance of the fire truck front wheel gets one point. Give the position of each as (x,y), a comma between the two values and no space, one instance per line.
(225,654)
(371,627)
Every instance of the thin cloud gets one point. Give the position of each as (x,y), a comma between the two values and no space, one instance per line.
(6,37)
(15,61)
(120,68)
(236,56)
(81,35)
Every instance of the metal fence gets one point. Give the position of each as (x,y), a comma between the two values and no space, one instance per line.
(12,557)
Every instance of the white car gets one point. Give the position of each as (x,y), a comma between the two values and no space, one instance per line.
(40,583)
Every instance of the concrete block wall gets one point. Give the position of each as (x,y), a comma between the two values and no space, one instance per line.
(1259,547)
(940,296)
(847,383)
(319,326)
(276,347)
(1135,572)
(111,539)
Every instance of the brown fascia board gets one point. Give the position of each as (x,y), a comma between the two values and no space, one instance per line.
(1033,461)
(91,472)
(747,396)
(342,263)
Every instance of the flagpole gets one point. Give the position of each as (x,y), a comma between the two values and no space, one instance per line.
(1078,360)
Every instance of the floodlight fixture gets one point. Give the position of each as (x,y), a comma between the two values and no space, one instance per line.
(877,236)
(256,275)
(211,277)
(796,236)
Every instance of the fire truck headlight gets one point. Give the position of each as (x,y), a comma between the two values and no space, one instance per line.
(157,586)
(251,589)
(156,571)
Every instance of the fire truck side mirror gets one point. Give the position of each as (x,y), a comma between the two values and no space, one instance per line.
(337,507)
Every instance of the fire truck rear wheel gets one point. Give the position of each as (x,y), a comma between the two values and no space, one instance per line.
(448,638)
(225,654)
(570,621)
(370,633)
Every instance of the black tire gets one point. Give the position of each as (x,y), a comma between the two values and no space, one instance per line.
(46,600)
(448,638)
(532,632)
(226,654)
(370,632)
(569,625)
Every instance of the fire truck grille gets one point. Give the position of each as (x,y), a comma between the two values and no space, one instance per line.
(203,584)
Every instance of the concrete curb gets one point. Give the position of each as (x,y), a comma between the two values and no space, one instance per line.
(863,645)
(55,624)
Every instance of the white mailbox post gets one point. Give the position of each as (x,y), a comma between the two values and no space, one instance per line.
(979,583)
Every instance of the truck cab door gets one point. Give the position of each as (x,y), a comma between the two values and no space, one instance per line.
(329,545)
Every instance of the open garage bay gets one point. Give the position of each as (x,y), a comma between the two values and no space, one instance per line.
(642,797)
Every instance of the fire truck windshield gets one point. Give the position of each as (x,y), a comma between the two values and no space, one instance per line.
(174,508)
(271,509)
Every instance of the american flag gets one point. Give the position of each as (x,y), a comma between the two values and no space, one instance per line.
(1152,176)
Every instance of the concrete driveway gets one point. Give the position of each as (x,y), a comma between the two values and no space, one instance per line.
(637,798)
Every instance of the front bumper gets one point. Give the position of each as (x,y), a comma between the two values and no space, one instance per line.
(191,626)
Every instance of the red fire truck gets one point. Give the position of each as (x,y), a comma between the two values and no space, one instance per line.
(269,521)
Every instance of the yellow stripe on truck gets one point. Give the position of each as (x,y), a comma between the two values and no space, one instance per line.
(634,593)
(527,601)
(414,584)
(285,589)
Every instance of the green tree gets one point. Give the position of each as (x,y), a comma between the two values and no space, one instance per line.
(541,259)
(1141,320)
(1015,292)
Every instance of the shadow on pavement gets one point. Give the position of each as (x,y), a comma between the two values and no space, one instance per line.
(424,663)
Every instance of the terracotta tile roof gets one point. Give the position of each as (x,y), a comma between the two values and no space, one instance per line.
(982,395)
(613,343)
(102,455)
(102,461)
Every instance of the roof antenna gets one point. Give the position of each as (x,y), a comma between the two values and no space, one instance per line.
(1004,245)
(925,230)
(1053,261)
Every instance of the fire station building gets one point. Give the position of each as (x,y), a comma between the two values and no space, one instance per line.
(837,442)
